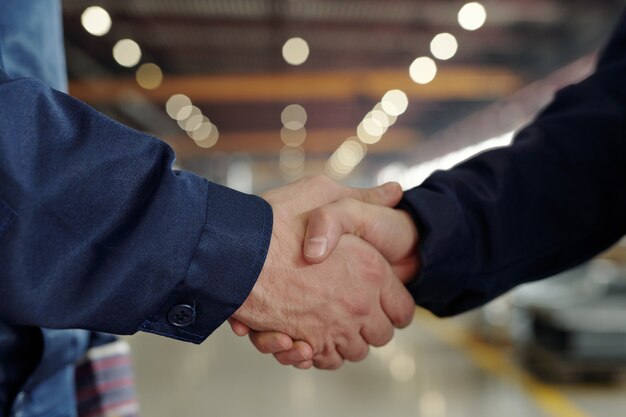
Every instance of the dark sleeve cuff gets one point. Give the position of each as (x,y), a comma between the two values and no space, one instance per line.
(228,260)
(442,283)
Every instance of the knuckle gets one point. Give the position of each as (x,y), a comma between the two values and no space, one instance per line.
(360,354)
(283,359)
(383,337)
(357,305)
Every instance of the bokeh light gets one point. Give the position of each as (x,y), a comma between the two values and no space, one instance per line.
(402,368)
(175,103)
(472,16)
(293,137)
(346,158)
(127,53)
(296,51)
(444,46)
(394,102)
(423,70)
(294,117)
(149,76)
(292,161)
(96,21)
(205,136)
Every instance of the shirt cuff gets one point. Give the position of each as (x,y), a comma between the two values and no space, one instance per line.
(227,262)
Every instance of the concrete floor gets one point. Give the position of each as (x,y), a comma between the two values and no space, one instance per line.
(433,368)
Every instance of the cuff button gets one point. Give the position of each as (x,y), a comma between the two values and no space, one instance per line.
(181,315)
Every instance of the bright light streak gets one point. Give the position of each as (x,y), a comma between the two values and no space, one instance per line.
(414,176)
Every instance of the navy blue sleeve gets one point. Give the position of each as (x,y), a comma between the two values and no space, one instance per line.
(552,200)
(98,232)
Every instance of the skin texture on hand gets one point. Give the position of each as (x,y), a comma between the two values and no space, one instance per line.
(338,307)
(390,231)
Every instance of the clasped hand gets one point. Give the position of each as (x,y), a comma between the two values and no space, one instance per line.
(333,281)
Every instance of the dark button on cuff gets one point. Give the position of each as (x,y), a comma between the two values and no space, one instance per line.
(181,315)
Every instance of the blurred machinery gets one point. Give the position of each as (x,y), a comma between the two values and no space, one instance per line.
(569,328)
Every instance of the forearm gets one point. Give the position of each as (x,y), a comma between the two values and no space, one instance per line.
(104,235)
(554,199)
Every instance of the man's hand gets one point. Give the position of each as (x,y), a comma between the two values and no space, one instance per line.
(338,307)
(390,231)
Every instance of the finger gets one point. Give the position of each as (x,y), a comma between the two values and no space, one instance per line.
(327,191)
(390,231)
(396,301)
(238,327)
(304,365)
(300,352)
(379,330)
(355,352)
(271,342)
(328,360)
(387,195)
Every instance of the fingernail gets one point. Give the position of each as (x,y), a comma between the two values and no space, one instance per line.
(388,190)
(316,247)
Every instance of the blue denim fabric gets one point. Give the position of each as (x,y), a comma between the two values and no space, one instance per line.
(98,232)
(31,45)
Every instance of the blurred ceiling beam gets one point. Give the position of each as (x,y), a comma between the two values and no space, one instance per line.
(319,141)
(451,83)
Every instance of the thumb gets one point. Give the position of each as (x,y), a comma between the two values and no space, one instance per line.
(325,229)
(390,231)
(388,194)
(238,327)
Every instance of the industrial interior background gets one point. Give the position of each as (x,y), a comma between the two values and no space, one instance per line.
(257,93)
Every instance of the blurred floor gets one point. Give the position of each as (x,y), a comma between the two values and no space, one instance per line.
(432,369)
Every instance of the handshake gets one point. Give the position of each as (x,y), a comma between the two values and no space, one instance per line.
(333,281)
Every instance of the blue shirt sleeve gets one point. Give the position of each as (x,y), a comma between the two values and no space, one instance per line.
(552,200)
(99,233)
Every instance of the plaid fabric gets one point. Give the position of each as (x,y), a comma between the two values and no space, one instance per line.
(104,382)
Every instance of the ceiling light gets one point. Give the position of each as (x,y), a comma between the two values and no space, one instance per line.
(127,53)
(444,46)
(472,16)
(293,116)
(149,76)
(175,103)
(423,70)
(394,102)
(96,21)
(296,51)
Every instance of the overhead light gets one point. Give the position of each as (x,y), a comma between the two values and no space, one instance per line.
(127,53)
(149,76)
(423,70)
(291,161)
(206,135)
(444,46)
(175,104)
(394,102)
(343,161)
(292,137)
(472,16)
(96,21)
(296,51)
(294,117)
